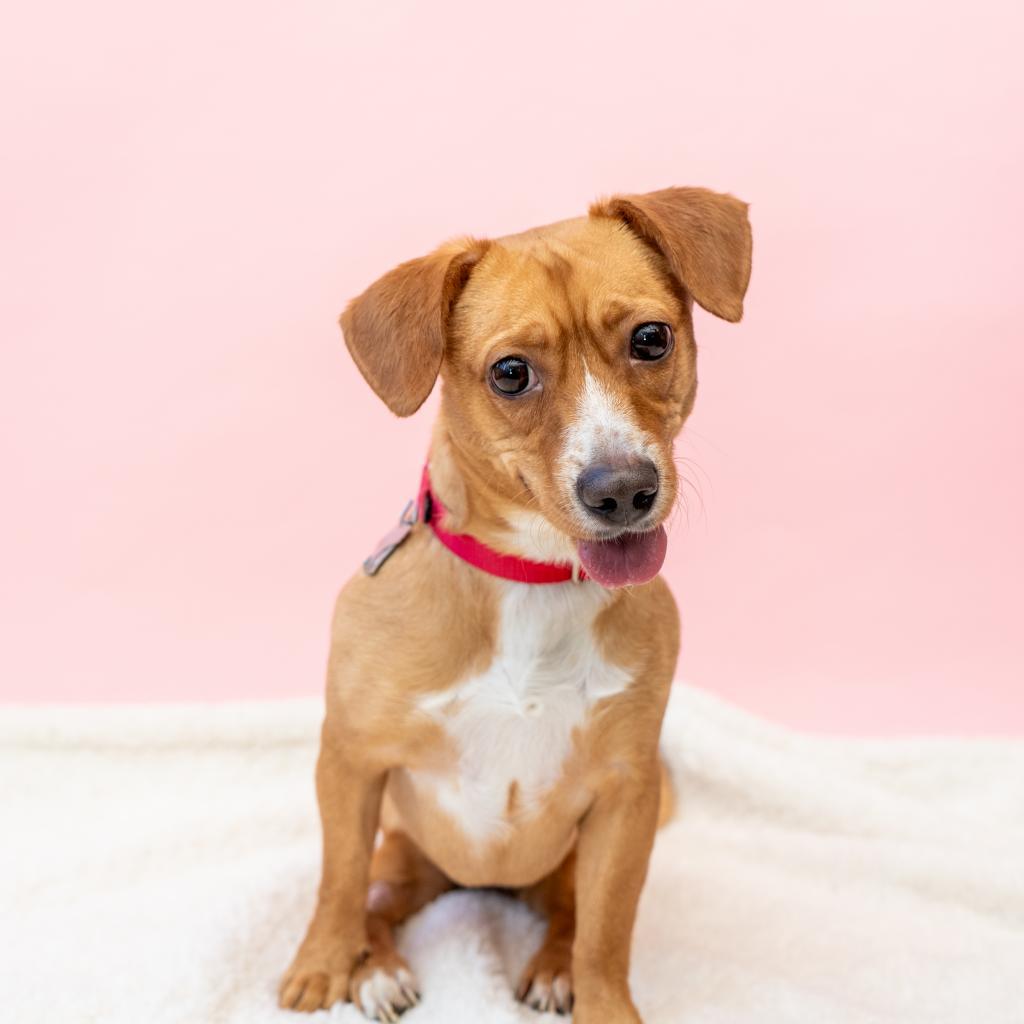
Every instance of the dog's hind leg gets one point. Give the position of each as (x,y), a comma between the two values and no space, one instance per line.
(402,881)
(546,983)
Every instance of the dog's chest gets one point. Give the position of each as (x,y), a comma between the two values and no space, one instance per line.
(512,727)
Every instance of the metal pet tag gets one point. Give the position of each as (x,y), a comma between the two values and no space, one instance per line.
(391,540)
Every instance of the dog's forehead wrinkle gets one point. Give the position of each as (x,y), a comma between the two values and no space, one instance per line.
(572,285)
(557,267)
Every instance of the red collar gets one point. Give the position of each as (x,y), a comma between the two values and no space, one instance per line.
(509,567)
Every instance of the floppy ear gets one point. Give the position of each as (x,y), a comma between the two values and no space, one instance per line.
(703,235)
(396,329)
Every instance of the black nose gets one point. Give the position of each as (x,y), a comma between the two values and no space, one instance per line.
(620,493)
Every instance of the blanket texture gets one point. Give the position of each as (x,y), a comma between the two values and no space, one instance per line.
(158,866)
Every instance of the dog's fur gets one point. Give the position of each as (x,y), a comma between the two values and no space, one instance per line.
(506,734)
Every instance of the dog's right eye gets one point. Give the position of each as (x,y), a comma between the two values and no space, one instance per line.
(512,376)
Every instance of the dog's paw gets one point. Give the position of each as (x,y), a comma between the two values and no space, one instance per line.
(546,983)
(383,988)
(307,988)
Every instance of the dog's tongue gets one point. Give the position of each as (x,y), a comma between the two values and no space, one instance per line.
(629,559)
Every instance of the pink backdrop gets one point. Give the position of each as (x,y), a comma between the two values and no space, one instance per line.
(191,191)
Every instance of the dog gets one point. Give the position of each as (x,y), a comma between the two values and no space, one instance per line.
(499,672)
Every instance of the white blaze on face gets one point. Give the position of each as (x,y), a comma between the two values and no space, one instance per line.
(602,427)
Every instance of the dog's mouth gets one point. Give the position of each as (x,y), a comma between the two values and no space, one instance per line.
(626,560)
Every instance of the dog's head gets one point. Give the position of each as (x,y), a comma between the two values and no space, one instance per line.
(569,366)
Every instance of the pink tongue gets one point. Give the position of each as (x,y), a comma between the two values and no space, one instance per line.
(629,559)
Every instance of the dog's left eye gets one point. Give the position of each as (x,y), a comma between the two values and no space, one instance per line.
(512,376)
(651,341)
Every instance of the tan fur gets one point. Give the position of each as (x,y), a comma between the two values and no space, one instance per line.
(567,298)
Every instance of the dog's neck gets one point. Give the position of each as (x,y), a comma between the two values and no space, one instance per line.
(492,506)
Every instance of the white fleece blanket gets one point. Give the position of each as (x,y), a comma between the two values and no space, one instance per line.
(158,866)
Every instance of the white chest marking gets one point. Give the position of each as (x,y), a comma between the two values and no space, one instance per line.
(514,722)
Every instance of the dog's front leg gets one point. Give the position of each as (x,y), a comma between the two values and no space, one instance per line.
(613,849)
(349,796)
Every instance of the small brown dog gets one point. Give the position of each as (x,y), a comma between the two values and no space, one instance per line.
(495,691)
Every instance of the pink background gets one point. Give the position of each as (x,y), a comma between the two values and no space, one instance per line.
(191,191)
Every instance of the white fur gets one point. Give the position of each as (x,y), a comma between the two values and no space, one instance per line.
(550,994)
(534,537)
(514,722)
(384,996)
(603,425)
